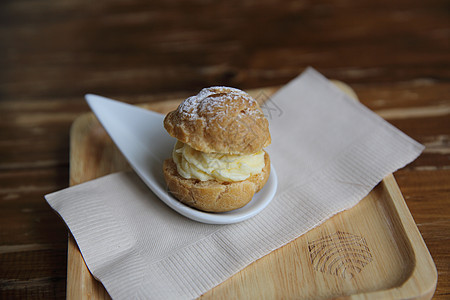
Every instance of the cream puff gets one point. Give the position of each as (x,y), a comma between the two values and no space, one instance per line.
(218,162)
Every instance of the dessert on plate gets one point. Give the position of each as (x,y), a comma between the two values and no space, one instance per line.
(218,162)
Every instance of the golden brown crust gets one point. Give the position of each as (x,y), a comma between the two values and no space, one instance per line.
(220,119)
(211,195)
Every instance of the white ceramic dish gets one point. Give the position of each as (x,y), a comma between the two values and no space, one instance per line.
(142,139)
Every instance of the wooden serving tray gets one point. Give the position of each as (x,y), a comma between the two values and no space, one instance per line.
(372,251)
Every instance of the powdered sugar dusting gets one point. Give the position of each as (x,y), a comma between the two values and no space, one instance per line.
(217,102)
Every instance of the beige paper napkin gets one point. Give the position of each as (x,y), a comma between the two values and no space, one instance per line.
(329,152)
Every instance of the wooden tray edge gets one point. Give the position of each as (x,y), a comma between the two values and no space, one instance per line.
(80,282)
(421,284)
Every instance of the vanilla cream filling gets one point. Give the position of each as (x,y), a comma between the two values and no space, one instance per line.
(193,164)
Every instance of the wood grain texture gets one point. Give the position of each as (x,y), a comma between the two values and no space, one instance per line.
(395,54)
(372,251)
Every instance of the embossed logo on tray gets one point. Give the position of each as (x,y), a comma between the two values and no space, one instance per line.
(342,254)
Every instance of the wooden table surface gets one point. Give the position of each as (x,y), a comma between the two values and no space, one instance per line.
(395,54)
